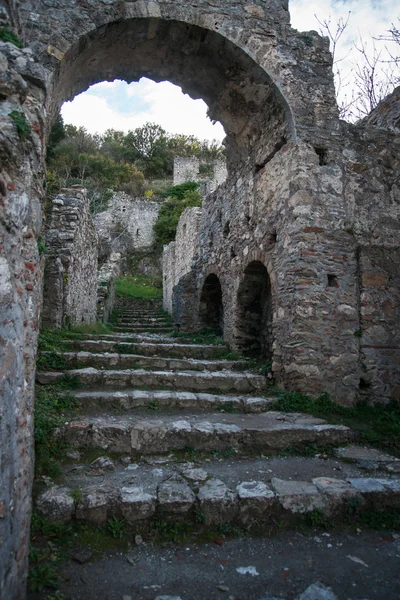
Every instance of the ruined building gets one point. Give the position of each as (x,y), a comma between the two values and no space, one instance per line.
(296,256)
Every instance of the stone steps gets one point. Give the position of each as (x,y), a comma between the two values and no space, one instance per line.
(128,400)
(210,494)
(144,328)
(141,434)
(143,321)
(200,381)
(149,347)
(143,396)
(131,361)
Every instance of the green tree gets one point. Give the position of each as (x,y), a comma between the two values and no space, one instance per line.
(147,146)
(180,197)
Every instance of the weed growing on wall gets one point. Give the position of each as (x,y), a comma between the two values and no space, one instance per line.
(8,36)
(21,124)
(180,197)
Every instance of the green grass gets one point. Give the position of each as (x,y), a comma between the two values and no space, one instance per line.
(52,340)
(52,404)
(142,286)
(205,336)
(377,425)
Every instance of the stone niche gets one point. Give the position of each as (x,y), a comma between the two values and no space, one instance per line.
(70,274)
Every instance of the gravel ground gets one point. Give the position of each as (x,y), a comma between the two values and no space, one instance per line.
(357,566)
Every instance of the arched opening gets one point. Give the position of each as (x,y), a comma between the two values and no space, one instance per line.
(205,64)
(211,308)
(253,331)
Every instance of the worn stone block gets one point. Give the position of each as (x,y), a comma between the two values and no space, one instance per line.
(297,496)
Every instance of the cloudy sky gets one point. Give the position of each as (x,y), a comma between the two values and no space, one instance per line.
(121,106)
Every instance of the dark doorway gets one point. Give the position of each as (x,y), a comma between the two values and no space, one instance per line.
(211,308)
(253,333)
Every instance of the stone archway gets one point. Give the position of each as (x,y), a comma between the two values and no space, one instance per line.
(256,75)
(211,311)
(253,326)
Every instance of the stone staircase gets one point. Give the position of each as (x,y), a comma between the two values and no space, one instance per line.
(169,427)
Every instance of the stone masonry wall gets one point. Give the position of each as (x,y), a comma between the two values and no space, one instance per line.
(178,255)
(106,287)
(188,169)
(314,200)
(70,275)
(127,225)
(22,89)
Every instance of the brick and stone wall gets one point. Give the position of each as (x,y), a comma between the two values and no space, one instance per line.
(126,226)
(70,274)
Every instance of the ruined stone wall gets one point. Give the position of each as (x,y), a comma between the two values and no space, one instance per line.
(178,256)
(106,286)
(315,201)
(325,223)
(188,169)
(127,225)
(70,275)
(22,94)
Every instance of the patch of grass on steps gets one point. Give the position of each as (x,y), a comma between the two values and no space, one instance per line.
(205,336)
(378,425)
(142,286)
(52,405)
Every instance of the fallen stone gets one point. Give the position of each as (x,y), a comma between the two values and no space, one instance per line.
(223,588)
(168,598)
(195,474)
(73,454)
(82,556)
(103,462)
(247,571)
(318,591)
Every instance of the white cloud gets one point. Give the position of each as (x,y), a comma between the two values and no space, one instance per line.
(165,104)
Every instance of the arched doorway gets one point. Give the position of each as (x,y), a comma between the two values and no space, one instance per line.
(211,311)
(253,330)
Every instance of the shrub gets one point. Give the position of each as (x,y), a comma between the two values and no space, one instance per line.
(180,197)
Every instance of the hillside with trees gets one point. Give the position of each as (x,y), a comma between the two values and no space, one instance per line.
(139,162)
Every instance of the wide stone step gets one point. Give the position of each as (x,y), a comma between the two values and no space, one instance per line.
(143,320)
(205,497)
(221,381)
(144,328)
(266,432)
(128,400)
(150,347)
(137,361)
